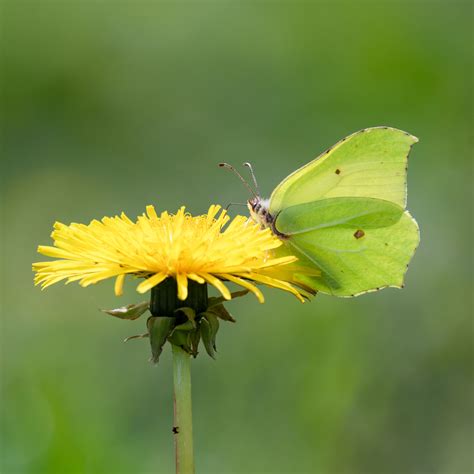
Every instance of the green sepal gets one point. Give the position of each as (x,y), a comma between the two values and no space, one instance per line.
(159,328)
(213,300)
(137,336)
(181,339)
(195,338)
(184,327)
(131,311)
(213,326)
(205,328)
(221,312)
(187,326)
(189,313)
(181,335)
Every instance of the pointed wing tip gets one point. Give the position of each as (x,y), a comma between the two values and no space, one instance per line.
(392,129)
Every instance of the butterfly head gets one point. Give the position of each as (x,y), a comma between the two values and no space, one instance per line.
(257,206)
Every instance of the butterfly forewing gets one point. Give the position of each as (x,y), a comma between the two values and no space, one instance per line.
(369,163)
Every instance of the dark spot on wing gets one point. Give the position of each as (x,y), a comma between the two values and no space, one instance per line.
(359,233)
(175,430)
(386,244)
(338,171)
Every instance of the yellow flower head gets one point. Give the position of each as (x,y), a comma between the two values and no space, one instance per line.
(203,249)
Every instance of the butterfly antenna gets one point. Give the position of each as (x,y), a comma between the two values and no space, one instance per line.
(235,204)
(249,166)
(231,168)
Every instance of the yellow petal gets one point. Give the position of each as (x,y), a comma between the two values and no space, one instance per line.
(118,288)
(196,278)
(245,284)
(217,284)
(182,283)
(275,283)
(148,284)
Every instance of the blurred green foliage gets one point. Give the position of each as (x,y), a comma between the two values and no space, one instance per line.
(109,106)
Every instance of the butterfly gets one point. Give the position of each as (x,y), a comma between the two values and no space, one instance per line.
(344,213)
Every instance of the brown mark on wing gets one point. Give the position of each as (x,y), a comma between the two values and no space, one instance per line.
(359,233)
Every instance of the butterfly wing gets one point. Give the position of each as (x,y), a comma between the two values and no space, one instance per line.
(369,163)
(359,244)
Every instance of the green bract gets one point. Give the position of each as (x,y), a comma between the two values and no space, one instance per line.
(182,326)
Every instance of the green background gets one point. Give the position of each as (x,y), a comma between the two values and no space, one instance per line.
(110,106)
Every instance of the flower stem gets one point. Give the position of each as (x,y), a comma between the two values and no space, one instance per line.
(183,422)
(164,302)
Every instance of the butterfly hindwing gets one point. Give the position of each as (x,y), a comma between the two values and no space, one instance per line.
(359,244)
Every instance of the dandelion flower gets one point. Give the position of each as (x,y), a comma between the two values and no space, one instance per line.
(209,248)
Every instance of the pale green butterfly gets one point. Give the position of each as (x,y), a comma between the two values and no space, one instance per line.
(344,213)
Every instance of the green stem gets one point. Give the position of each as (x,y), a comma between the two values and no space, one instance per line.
(183,422)
(163,304)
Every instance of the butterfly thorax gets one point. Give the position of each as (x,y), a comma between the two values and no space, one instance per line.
(260,213)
